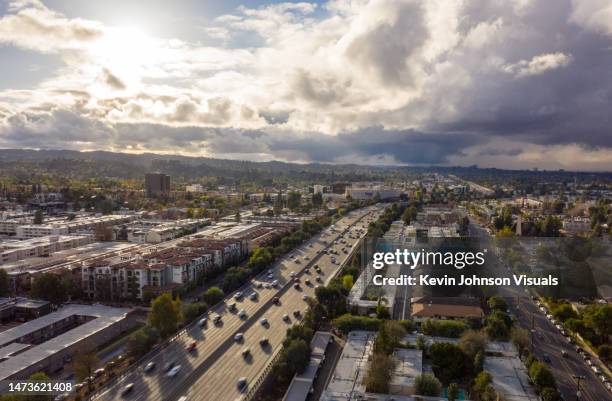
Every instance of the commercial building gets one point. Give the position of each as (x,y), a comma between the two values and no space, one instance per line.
(14,250)
(173,229)
(49,342)
(157,184)
(68,227)
(361,193)
(22,309)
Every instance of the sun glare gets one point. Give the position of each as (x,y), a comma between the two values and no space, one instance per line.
(126,52)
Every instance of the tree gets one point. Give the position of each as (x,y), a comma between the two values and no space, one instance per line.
(605,352)
(390,334)
(564,312)
(541,375)
(193,310)
(213,295)
(482,381)
(347,282)
(38,376)
(448,361)
(420,342)
(142,341)
(293,200)
(521,338)
(5,285)
(85,362)
(332,299)
(427,385)
(297,355)
(497,303)
(599,318)
(48,286)
(472,342)
(479,362)
(165,314)
(453,392)
(379,373)
(38,217)
(549,394)
(409,215)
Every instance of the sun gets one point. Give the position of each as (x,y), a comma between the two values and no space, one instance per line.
(126,52)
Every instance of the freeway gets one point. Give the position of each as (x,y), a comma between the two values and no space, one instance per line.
(548,342)
(211,370)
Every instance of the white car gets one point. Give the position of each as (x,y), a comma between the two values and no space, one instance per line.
(238,337)
(242,314)
(174,371)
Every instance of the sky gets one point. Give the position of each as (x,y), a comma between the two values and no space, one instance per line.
(499,83)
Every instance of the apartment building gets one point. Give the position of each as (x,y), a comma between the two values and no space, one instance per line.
(132,277)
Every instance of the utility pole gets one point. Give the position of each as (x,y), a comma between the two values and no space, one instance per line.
(578,379)
(532,330)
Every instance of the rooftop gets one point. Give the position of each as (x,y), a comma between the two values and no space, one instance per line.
(103,317)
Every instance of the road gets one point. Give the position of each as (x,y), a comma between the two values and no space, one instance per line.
(212,370)
(548,340)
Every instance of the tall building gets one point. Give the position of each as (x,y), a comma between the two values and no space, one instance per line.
(157,184)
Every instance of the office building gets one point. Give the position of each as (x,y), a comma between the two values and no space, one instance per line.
(157,184)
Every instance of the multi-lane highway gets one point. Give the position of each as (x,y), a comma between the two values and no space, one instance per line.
(212,369)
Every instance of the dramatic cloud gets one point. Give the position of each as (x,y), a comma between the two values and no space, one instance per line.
(381,81)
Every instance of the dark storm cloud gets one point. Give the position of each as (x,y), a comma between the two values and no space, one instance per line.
(407,146)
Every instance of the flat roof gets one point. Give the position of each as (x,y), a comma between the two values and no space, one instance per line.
(319,343)
(510,378)
(409,365)
(104,316)
(351,368)
(300,385)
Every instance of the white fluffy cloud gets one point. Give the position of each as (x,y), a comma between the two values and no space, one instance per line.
(456,76)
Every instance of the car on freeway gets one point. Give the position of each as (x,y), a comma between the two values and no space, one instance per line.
(276,300)
(174,371)
(546,358)
(231,306)
(149,367)
(286,317)
(246,352)
(242,314)
(191,346)
(238,295)
(202,322)
(259,284)
(307,282)
(183,398)
(241,383)
(238,337)
(270,276)
(319,280)
(264,341)
(275,283)
(305,297)
(297,313)
(264,321)
(267,285)
(127,389)
(296,286)
(564,353)
(292,274)
(253,296)
(216,319)
(168,366)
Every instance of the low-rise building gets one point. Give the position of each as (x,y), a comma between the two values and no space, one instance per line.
(49,342)
(423,308)
(14,250)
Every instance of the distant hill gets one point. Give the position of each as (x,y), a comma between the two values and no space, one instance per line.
(33,164)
